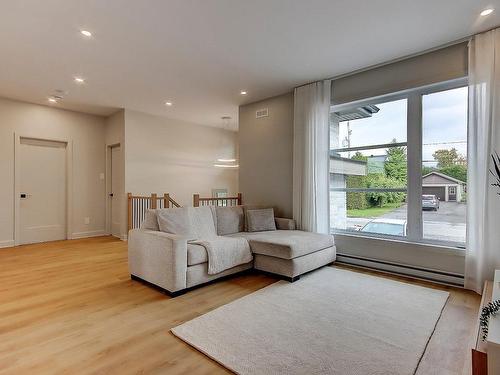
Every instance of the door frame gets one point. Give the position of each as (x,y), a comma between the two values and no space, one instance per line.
(17,188)
(109,148)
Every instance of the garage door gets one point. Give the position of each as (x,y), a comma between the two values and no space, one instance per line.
(438,191)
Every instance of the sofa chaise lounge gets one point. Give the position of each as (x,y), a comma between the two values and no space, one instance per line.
(177,259)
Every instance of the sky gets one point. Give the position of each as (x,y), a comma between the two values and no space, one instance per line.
(444,120)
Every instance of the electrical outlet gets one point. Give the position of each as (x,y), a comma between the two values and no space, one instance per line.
(87,220)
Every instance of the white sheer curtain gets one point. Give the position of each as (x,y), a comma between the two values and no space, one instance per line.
(483,199)
(311,156)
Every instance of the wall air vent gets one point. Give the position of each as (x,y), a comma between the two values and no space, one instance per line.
(264,112)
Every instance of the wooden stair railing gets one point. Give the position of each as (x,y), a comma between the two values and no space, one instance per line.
(138,205)
(222,201)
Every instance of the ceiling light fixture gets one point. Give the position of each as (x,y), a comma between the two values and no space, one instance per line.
(79,80)
(226,165)
(486,12)
(86,33)
(168,104)
(243,92)
(226,160)
(52,100)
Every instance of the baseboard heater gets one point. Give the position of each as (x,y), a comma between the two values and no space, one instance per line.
(403,270)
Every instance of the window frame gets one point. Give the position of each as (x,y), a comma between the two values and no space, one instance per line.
(414,138)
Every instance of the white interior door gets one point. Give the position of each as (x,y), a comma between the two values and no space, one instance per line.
(42,186)
(116,190)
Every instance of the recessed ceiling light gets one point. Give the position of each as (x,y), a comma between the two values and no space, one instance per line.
(52,100)
(86,33)
(487,12)
(79,80)
(243,92)
(168,103)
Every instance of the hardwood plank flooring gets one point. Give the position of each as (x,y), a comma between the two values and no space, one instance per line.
(70,307)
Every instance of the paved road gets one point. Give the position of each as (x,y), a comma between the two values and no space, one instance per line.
(447,224)
(449,212)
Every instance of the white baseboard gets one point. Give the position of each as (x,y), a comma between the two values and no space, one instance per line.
(122,237)
(403,270)
(9,243)
(92,233)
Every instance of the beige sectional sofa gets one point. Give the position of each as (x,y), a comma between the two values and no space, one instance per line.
(176,262)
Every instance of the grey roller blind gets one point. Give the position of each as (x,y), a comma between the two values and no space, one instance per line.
(437,66)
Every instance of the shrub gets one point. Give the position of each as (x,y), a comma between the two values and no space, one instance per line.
(356,201)
(379,199)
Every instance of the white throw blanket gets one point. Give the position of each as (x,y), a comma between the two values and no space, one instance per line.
(225,252)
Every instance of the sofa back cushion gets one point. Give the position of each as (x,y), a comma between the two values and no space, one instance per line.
(202,222)
(176,221)
(229,220)
(248,207)
(150,221)
(260,220)
(191,222)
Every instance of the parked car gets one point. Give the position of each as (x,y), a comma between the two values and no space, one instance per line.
(430,202)
(390,227)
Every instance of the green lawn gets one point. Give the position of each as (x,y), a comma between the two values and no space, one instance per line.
(373,211)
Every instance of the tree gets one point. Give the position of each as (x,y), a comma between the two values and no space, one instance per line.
(446,158)
(379,180)
(395,166)
(456,171)
(427,170)
(359,156)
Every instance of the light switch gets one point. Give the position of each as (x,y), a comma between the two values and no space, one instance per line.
(101,176)
(87,220)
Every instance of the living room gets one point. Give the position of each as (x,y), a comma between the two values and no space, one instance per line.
(250,187)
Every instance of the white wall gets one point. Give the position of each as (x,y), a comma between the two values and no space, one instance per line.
(163,155)
(114,130)
(266,154)
(87,134)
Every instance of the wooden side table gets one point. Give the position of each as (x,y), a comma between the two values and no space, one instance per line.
(479,352)
(486,354)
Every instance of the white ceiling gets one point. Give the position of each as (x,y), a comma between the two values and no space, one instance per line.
(200,53)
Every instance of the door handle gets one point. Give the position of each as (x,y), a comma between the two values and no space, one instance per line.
(24,195)
(111,195)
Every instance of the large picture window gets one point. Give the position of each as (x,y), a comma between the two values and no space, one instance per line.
(376,145)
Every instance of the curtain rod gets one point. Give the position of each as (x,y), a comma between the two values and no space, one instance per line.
(375,66)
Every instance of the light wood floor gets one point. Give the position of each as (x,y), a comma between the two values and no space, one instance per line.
(70,307)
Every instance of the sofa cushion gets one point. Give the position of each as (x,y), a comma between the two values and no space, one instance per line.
(202,222)
(260,220)
(196,254)
(283,223)
(229,220)
(150,221)
(176,221)
(286,244)
(248,207)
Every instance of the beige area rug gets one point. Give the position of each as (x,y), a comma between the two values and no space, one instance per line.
(332,321)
